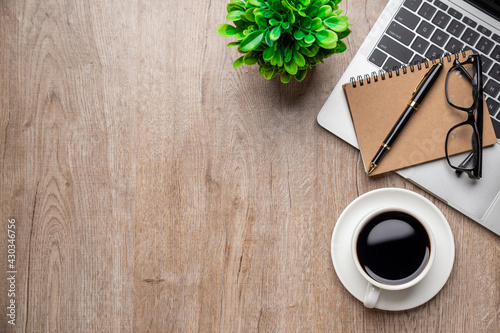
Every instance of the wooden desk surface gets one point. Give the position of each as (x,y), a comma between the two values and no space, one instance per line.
(155,188)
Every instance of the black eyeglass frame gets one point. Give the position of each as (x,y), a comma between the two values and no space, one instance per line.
(474,116)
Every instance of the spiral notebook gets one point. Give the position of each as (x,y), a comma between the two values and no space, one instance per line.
(377,101)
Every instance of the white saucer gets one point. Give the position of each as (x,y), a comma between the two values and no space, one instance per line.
(352,279)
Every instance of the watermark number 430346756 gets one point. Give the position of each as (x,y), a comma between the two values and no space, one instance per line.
(12,271)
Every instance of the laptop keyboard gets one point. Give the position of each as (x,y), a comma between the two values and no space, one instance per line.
(424,29)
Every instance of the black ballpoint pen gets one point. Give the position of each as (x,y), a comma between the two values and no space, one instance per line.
(416,99)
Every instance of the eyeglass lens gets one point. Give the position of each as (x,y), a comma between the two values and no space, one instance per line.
(461,143)
(460,88)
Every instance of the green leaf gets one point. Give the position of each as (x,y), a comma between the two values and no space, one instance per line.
(268,53)
(288,54)
(261,21)
(233,44)
(275,33)
(336,24)
(313,11)
(291,67)
(268,40)
(291,17)
(305,51)
(226,30)
(273,61)
(234,6)
(240,24)
(309,39)
(301,74)
(235,15)
(256,3)
(274,22)
(306,23)
(327,39)
(324,11)
(259,11)
(285,77)
(270,73)
(316,24)
(252,41)
(313,50)
(299,59)
(240,36)
(344,34)
(279,58)
(249,14)
(238,62)
(298,34)
(268,14)
(250,58)
(341,47)
(285,25)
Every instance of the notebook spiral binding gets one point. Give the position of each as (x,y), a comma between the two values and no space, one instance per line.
(383,74)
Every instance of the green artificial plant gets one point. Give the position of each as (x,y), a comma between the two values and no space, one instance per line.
(285,37)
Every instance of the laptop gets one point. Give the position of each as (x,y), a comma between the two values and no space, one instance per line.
(414,30)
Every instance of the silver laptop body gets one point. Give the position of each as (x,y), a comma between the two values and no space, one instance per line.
(477,199)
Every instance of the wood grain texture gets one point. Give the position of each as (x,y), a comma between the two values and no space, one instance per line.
(157,189)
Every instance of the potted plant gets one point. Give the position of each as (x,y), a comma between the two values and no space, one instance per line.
(285,37)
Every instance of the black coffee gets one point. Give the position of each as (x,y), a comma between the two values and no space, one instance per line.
(393,248)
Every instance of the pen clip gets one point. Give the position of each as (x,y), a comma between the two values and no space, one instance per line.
(423,79)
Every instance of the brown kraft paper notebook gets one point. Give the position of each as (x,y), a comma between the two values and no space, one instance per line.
(377,102)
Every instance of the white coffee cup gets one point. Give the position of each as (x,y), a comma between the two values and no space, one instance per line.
(379,244)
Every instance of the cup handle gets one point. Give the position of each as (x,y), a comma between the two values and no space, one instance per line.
(371,296)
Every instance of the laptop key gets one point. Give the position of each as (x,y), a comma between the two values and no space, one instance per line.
(496,38)
(469,22)
(407,18)
(496,53)
(425,29)
(484,30)
(486,64)
(485,45)
(434,52)
(391,64)
(440,5)
(412,4)
(439,37)
(417,59)
(455,28)
(395,49)
(454,13)
(377,57)
(400,33)
(495,72)
(492,88)
(427,11)
(420,45)
(454,46)
(441,19)
(470,36)
(493,106)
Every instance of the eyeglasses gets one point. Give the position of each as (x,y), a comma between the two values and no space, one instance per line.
(464,92)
